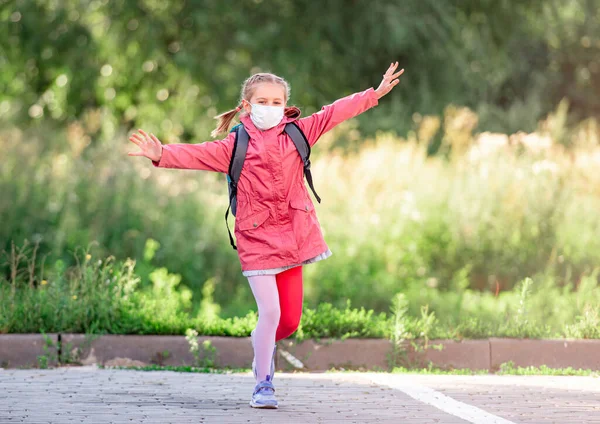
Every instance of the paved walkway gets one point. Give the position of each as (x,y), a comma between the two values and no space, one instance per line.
(91,395)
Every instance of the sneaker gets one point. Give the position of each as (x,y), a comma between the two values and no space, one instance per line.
(272,371)
(264,395)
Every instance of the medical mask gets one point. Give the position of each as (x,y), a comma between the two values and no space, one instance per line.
(265,117)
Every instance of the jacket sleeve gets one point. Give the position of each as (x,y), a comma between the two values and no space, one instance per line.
(317,124)
(209,156)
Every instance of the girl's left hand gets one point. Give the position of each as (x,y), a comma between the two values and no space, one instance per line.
(389,80)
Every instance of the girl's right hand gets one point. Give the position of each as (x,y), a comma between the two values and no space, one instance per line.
(150,145)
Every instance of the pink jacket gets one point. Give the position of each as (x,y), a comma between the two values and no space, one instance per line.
(276,223)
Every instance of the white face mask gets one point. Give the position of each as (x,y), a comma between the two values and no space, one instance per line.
(265,117)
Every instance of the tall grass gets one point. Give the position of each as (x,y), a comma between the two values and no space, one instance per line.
(472,221)
(488,211)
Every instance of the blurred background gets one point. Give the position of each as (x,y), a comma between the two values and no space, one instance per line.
(477,171)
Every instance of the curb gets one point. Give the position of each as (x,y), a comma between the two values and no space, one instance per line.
(232,352)
(552,353)
(373,354)
(23,350)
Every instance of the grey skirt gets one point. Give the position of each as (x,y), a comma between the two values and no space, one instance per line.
(274,271)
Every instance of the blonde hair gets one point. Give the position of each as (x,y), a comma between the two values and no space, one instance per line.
(247,91)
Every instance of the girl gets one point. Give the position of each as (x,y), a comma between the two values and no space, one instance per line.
(276,226)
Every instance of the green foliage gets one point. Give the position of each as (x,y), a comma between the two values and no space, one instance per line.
(100,296)
(171,66)
(209,310)
(327,321)
(61,201)
(431,370)
(50,352)
(205,357)
(475,220)
(399,329)
(520,321)
(150,249)
(587,325)
(399,309)
(508,368)
(184,368)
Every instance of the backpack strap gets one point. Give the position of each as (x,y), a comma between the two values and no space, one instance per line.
(303,147)
(238,156)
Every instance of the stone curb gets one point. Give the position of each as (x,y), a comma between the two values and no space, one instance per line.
(374,354)
(27,350)
(22,350)
(161,350)
(552,353)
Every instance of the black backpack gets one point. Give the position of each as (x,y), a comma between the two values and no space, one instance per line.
(238,156)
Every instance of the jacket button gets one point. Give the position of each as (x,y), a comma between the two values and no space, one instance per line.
(305,208)
(255,225)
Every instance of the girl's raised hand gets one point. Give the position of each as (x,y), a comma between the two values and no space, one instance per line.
(150,145)
(389,80)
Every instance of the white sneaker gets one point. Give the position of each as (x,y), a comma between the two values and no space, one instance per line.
(264,395)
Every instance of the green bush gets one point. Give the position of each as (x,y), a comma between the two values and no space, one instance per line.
(102,296)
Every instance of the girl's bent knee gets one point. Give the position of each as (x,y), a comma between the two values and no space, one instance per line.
(289,323)
(287,326)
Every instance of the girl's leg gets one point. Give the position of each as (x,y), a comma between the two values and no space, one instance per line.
(264,288)
(289,286)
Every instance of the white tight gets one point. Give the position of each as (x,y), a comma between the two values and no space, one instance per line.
(264,288)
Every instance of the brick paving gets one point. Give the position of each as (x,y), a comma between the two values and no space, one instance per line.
(92,395)
(525,399)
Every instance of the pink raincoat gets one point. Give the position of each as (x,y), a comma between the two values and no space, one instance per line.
(276,223)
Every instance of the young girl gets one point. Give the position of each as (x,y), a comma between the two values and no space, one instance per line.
(276,226)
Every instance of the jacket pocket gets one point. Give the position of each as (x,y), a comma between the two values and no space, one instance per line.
(301,210)
(254,221)
(301,204)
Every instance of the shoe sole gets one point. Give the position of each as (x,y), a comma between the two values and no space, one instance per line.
(261,406)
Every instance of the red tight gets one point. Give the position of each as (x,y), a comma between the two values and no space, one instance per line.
(289,286)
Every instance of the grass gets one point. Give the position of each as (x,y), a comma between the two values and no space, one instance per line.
(438,371)
(509,368)
(505,369)
(183,368)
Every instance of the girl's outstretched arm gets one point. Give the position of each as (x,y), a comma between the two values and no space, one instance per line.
(315,125)
(208,156)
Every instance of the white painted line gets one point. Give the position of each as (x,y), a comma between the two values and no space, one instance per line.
(291,359)
(440,401)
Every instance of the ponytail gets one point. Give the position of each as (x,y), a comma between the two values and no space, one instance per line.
(292,112)
(225,120)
